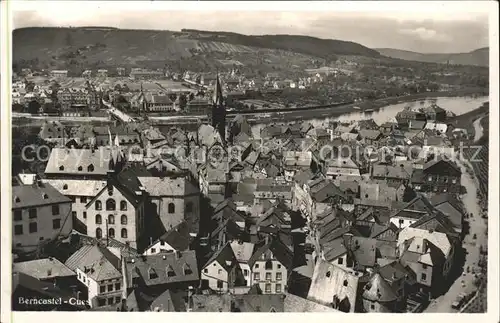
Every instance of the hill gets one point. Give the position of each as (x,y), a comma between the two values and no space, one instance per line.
(479,57)
(57,47)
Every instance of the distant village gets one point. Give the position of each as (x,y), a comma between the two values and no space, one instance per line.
(129,217)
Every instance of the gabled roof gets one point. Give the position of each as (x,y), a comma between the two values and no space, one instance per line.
(274,249)
(46,268)
(24,196)
(225,257)
(177,237)
(97,262)
(438,239)
(163,268)
(168,186)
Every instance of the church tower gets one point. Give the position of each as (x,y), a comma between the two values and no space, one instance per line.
(217,115)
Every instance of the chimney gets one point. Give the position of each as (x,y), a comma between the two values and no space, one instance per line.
(190,299)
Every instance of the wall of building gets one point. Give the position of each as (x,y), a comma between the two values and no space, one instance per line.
(260,268)
(135,219)
(214,272)
(45,230)
(158,247)
(419,269)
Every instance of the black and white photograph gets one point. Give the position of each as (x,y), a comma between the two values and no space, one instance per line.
(201,157)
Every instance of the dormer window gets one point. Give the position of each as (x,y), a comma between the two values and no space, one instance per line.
(61,167)
(65,186)
(187,270)
(90,168)
(17,199)
(170,271)
(45,196)
(152,274)
(80,168)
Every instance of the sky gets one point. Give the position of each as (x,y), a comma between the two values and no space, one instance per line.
(437,27)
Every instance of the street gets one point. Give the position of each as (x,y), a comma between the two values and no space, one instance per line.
(478,226)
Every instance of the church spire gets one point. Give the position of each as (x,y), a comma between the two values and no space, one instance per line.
(217,96)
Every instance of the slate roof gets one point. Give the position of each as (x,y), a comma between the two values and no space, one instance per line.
(378,290)
(24,196)
(177,237)
(72,159)
(97,262)
(155,269)
(46,268)
(279,252)
(225,257)
(77,187)
(168,186)
(298,304)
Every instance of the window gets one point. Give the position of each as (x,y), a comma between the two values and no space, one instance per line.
(101,301)
(171,208)
(328,274)
(152,274)
(83,199)
(117,286)
(102,289)
(80,168)
(279,266)
(219,271)
(98,205)
(111,219)
(345,282)
(220,284)
(124,233)
(72,198)
(170,271)
(18,215)
(245,272)
(269,265)
(84,214)
(256,266)
(33,227)
(123,219)
(110,288)
(111,301)
(110,205)
(55,209)
(279,276)
(111,233)
(61,167)
(187,270)
(205,271)
(424,276)
(18,229)
(90,168)
(268,276)
(189,207)
(32,213)
(98,219)
(123,205)
(340,261)
(256,276)
(278,288)
(424,266)
(268,288)
(56,223)
(98,233)
(401,221)
(118,299)
(153,250)
(372,306)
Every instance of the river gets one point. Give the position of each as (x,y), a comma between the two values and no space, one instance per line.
(457,105)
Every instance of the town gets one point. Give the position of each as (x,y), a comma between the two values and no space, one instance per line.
(174,186)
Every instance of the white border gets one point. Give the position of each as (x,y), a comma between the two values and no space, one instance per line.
(449,9)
